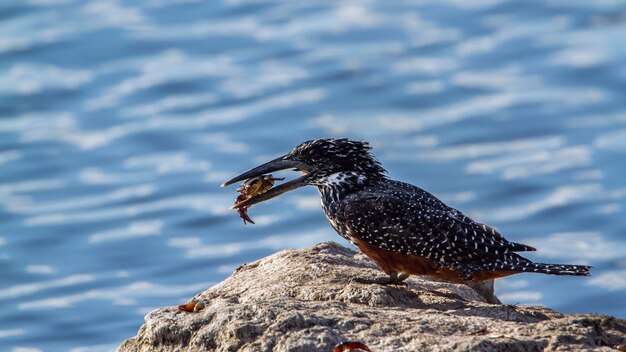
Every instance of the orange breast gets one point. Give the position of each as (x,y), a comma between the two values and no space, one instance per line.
(393,262)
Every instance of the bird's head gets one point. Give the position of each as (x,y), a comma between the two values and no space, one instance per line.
(320,160)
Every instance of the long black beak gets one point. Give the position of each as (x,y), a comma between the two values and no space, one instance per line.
(271,166)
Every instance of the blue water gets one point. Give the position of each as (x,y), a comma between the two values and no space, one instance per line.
(118,122)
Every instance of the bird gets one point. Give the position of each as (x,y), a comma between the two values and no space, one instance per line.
(402,228)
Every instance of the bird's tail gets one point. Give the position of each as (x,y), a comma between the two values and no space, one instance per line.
(555,269)
(550,269)
(514,262)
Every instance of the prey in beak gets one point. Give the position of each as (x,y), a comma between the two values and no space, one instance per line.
(262,193)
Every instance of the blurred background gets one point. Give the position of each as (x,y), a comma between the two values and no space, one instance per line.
(119,120)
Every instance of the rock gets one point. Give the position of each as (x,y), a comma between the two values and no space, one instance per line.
(304,300)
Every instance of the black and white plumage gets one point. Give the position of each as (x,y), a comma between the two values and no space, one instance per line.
(403,228)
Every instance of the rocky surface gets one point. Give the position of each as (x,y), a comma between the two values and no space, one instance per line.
(304,300)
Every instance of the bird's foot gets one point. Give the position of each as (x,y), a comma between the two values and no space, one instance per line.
(369,281)
(389,280)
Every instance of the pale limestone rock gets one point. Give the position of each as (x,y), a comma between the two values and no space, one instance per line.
(304,300)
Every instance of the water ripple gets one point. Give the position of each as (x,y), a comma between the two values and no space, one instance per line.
(119,120)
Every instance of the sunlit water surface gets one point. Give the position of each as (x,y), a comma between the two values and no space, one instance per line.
(119,122)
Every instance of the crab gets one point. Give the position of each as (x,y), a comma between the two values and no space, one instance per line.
(350,346)
(252,187)
(192,306)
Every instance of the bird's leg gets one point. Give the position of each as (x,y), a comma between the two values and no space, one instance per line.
(392,279)
(402,277)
